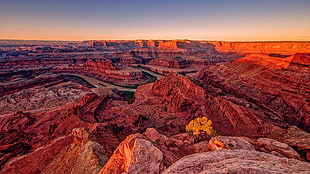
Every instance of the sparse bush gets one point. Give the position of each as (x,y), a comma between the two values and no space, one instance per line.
(154,142)
(200,125)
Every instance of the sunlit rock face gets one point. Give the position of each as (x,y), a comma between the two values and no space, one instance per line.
(152,152)
(179,91)
(271,88)
(285,48)
(230,143)
(134,155)
(236,161)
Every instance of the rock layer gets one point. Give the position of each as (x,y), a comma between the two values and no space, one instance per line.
(263,47)
(134,155)
(278,94)
(237,161)
(61,156)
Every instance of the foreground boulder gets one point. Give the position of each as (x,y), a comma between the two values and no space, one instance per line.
(134,155)
(277,148)
(266,145)
(237,161)
(152,152)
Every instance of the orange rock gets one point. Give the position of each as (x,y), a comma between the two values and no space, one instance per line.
(168,44)
(229,143)
(262,47)
(135,155)
(264,83)
(170,62)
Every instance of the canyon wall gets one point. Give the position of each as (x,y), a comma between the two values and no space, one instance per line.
(265,84)
(285,48)
(102,69)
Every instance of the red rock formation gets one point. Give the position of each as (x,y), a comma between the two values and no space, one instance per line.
(47,133)
(99,68)
(125,76)
(171,102)
(67,154)
(144,53)
(163,70)
(182,98)
(135,155)
(267,61)
(152,152)
(99,65)
(149,53)
(277,148)
(167,44)
(266,145)
(275,93)
(147,43)
(236,161)
(298,139)
(180,92)
(36,161)
(44,96)
(9,87)
(170,62)
(87,106)
(230,143)
(35,63)
(130,60)
(285,48)
(115,43)
(161,44)
(37,132)
(263,47)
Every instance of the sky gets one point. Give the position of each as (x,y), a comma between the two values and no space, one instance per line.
(225,20)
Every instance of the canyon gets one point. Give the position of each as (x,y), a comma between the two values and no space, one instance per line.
(122,107)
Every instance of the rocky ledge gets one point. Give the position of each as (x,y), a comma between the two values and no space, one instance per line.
(152,152)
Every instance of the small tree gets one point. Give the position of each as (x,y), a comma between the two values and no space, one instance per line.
(200,125)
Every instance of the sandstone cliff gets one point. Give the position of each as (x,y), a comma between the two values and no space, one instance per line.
(169,62)
(167,45)
(285,48)
(277,92)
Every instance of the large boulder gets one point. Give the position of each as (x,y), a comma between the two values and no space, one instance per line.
(236,161)
(277,148)
(135,155)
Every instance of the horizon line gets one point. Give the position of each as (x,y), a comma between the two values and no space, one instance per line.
(17,39)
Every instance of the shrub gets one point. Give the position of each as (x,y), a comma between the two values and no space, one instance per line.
(200,125)
(154,142)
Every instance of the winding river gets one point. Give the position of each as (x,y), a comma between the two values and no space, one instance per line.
(99,84)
